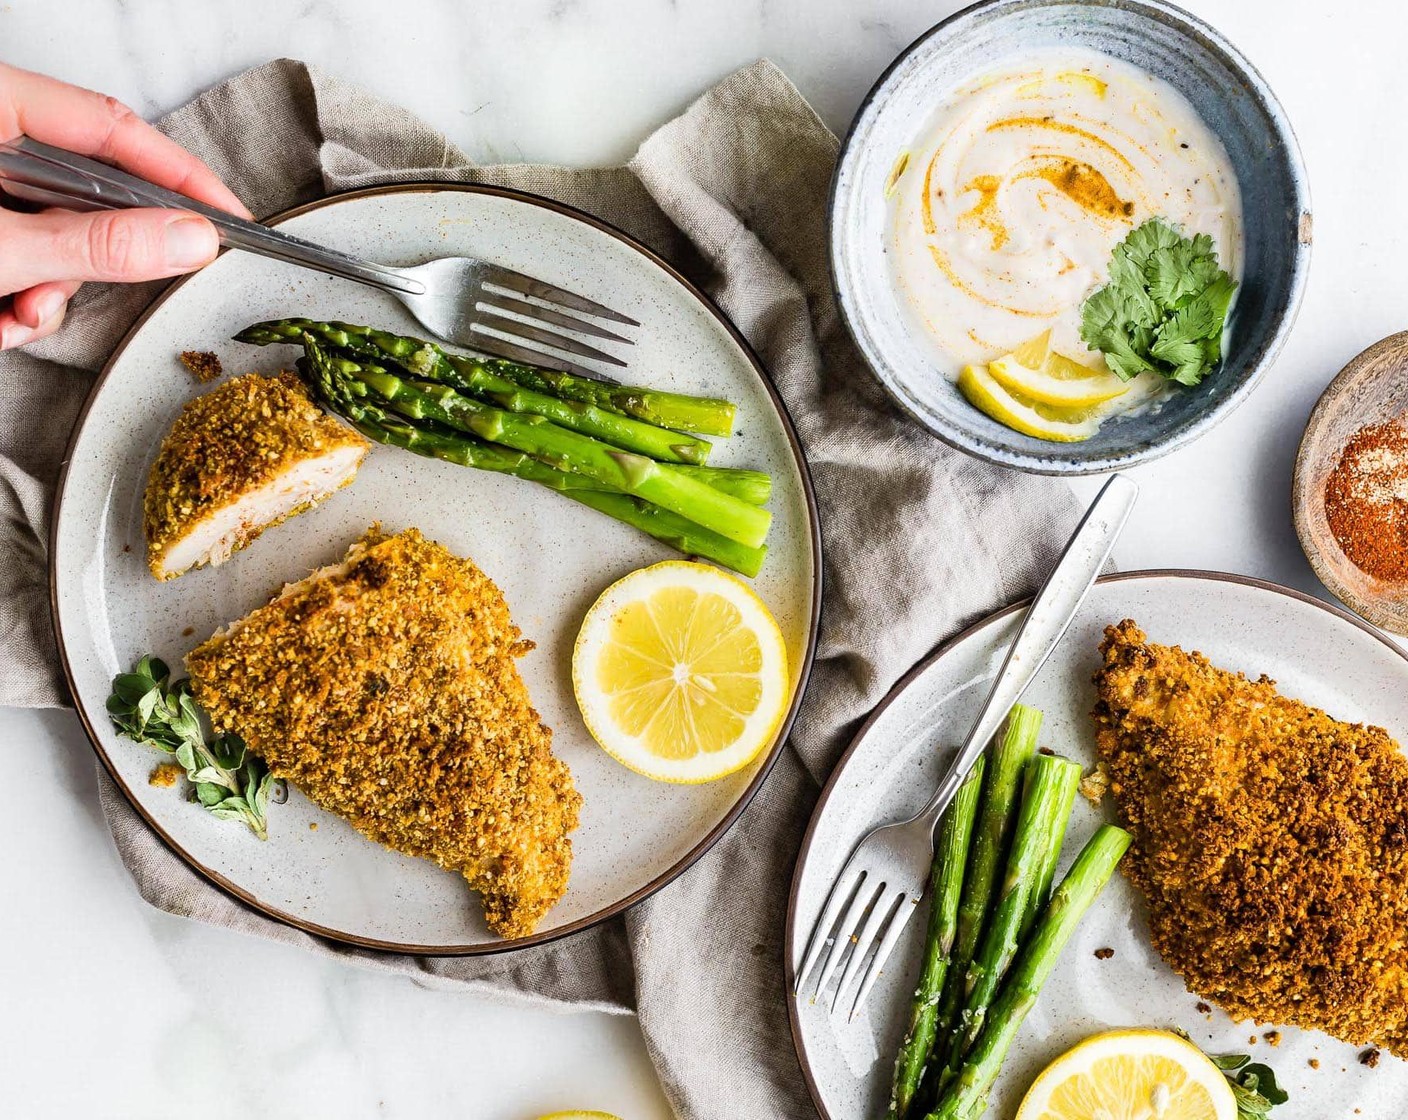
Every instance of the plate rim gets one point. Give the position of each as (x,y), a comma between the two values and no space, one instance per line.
(941,651)
(244,897)
(1031,461)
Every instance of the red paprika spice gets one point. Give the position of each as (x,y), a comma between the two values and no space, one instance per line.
(1366,500)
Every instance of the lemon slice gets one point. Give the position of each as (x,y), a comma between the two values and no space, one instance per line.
(1033,352)
(681,672)
(579,1114)
(1130,1075)
(1057,379)
(1059,423)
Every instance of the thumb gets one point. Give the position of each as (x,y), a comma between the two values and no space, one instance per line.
(117,245)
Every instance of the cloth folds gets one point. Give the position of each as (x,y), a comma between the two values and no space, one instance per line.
(918,538)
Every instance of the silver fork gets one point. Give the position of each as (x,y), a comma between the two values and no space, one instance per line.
(881,885)
(471,303)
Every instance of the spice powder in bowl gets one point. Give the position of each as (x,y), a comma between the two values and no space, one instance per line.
(1366,500)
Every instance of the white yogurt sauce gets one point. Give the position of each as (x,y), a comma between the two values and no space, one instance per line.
(1004,214)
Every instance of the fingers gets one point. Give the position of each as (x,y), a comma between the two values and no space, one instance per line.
(14,333)
(118,245)
(36,306)
(94,125)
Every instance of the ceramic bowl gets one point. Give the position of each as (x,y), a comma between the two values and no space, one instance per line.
(1371,389)
(1232,100)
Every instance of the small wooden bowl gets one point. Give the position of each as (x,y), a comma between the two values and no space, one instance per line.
(1372,388)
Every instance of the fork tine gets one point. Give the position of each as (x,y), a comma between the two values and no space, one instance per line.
(845,884)
(905,910)
(526,285)
(865,896)
(503,348)
(557,341)
(534,311)
(879,915)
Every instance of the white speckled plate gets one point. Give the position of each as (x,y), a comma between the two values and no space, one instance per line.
(550,557)
(1314,652)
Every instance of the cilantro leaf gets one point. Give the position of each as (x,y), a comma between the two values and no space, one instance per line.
(1163,308)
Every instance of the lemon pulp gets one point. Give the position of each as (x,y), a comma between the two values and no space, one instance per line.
(1130,1075)
(681,672)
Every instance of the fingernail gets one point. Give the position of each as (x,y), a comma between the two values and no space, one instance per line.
(16,334)
(47,306)
(190,243)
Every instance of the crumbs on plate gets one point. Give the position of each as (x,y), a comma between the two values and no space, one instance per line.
(203,364)
(165,774)
(1094,785)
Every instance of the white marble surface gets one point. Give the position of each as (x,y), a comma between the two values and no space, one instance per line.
(111,1009)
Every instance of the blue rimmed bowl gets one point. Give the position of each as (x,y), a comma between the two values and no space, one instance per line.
(1232,99)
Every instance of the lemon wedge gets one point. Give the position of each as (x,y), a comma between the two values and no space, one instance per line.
(1130,1075)
(1057,379)
(1059,423)
(681,672)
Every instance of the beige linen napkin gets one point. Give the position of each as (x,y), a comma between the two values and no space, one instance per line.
(919,539)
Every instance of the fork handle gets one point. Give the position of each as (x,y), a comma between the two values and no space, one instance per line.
(1045,624)
(55,177)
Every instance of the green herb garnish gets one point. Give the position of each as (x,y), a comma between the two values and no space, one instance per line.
(1164,307)
(229,781)
(1253,1085)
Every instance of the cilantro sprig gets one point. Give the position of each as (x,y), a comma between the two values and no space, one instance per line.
(1163,308)
(229,781)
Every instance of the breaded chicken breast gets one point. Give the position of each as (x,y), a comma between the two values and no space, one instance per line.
(238,460)
(1270,841)
(385,689)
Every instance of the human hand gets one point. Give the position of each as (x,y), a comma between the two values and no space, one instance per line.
(44,257)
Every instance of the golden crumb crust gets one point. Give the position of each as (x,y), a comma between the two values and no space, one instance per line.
(385,689)
(166,774)
(229,442)
(203,365)
(1270,841)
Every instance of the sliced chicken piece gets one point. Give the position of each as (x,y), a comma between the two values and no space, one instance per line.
(238,460)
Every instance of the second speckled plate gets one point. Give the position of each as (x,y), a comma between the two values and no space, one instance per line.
(1314,652)
(550,557)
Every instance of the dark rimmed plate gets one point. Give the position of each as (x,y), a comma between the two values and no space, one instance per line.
(1315,652)
(550,557)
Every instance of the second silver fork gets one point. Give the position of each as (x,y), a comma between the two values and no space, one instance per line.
(882,883)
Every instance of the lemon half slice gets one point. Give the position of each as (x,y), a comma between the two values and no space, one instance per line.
(1130,1075)
(681,672)
(1058,380)
(1059,423)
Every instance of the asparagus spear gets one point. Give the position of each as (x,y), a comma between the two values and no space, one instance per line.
(349,340)
(945,890)
(1046,870)
(706,416)
(1082,884)
(753,487)
(1048,791)
(488,380)
(434,441)
(658,483)
(1007,757)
